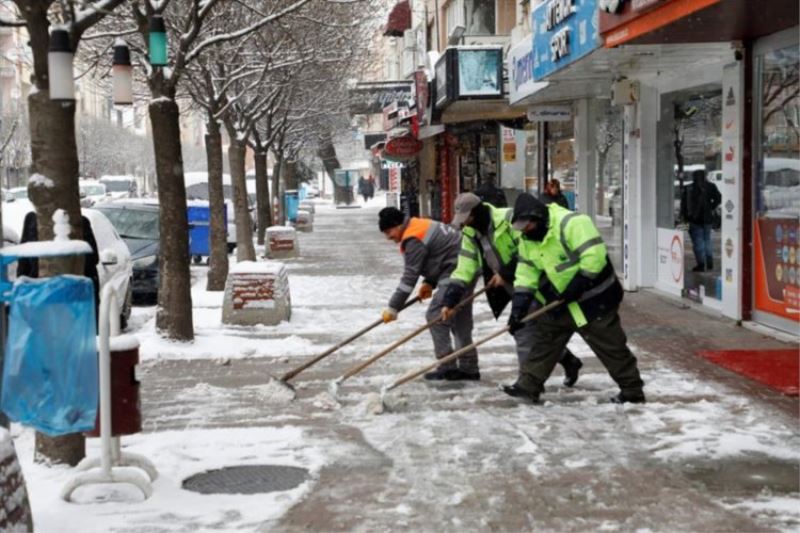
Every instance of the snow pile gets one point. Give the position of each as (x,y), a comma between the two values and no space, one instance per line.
(47,249)
(60,225)
(37,180)
(274,391)
(177,455)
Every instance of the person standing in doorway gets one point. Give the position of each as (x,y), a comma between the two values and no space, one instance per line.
(699,201)
(553,194)
(430,249)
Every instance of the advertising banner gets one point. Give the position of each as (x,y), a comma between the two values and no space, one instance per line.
(563,32)
(776,281)
(670,261)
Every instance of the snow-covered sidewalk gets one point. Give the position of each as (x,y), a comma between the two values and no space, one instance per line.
(446,457)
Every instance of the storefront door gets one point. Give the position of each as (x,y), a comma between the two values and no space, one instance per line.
(776,231)
(689,178)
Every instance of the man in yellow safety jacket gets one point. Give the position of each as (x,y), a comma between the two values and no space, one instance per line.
(563,257)
(489,246)
(430,249)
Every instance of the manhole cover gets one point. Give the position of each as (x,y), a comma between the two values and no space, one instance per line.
(253,479)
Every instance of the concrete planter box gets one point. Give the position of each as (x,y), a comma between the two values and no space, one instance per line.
(305,205)
(257,293)
(282,242)
(305,221)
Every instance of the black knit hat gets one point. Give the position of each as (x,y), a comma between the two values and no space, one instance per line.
(389,217)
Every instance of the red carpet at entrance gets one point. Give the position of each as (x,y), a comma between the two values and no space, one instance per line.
(778,369)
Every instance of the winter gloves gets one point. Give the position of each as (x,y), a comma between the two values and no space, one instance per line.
(389,315)
(520,304)
(425,291)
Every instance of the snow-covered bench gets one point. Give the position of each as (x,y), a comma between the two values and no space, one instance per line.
(257,293)
(282,242)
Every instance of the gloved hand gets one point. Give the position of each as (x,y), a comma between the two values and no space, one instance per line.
(453,293)
(425,291)
(496,282)
(389,315)
(520,303)
(576,288)
(448,313)
(548,291)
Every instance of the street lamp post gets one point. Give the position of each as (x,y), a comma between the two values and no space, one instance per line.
(59,67)
(122,74)
(158,41)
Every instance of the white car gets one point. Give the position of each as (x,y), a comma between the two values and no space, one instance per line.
(92,192)
(118,187)
(16,193)
(115,266)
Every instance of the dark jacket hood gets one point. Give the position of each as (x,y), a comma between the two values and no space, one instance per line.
(527,207)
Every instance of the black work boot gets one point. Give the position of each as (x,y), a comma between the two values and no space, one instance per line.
(709,263)
(518,392)
(629,397)
(441,374)
(458,374)
(699,268)
(572,366)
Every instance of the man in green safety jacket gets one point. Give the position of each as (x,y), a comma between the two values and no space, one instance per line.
(562,257)
(489,246)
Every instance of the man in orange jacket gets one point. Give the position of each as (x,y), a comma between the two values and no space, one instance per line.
(430,249)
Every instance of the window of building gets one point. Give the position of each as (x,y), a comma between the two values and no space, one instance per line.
(479,16)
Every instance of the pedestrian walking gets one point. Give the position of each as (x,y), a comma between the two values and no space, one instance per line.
(430,249)
(489,246)
(563,257)
(553,194)
(699,202)
(370,187)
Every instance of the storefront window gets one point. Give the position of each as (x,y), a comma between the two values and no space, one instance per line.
(688,194)
(480,17)
(561,162)
(608,183)
(777,198)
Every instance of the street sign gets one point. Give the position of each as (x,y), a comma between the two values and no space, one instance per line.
(403,147)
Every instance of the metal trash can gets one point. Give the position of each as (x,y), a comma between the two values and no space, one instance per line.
(291,204)
(126,413)
(199,215)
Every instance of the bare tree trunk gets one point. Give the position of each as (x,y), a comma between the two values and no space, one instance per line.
(55,156)
(245,251)
(262,195)
(290,176)
(277,216)
(218,261)
(174,316)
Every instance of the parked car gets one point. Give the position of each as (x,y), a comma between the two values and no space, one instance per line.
(118,187)
(115,266)
(136,223)
(92,192)
(16,193)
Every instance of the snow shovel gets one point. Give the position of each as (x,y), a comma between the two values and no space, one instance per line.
(360,367)
(458,353)
(295,371)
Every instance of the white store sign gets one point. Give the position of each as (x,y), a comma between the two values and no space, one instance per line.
(520,72)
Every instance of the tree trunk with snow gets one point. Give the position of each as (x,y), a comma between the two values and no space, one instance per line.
(262,195)
(245,251)
(54,155)
(174,315)
(277,203)
(218,261)
(290,175)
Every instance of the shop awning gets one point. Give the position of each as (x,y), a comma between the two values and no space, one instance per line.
(399,19)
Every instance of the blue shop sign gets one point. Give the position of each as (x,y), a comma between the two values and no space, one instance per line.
(563,32)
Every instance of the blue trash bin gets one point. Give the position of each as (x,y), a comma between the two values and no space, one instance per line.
(199,215)
(291,204)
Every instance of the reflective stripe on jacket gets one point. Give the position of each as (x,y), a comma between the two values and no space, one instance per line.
(430,249)
(498,249)
(572,245)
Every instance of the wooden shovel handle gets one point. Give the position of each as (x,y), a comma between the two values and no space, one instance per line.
(458,353)
(360,367)
(292,373)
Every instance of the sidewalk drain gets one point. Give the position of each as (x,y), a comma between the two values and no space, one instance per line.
(251,479)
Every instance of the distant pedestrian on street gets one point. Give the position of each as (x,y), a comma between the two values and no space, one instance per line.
(430,249)
(562,257)
(489,247)
(699,201)
(371,187)
(366,189)
(553,194)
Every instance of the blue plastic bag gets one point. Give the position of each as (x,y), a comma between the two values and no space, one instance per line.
(50,372)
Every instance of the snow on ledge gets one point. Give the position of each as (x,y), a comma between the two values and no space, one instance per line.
(121,343)
(261,267)
(37,180)
(47,249)
(280,228)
